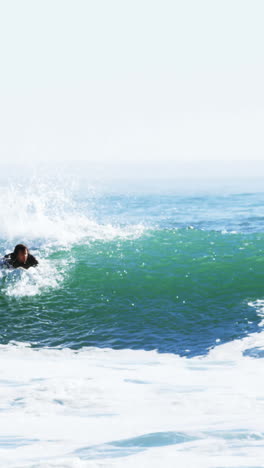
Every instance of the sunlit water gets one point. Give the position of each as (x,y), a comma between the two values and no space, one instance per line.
(138,339)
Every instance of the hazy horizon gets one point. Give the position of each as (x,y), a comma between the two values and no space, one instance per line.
(186,178)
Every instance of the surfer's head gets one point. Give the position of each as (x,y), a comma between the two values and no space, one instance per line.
(21,253)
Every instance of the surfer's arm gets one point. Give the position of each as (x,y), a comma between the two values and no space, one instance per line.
(33,261)
(6,261)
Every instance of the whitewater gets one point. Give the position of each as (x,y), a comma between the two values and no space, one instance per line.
(138,341)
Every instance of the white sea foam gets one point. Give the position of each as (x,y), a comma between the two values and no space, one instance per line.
(259,306)
(20,283)
(103,407)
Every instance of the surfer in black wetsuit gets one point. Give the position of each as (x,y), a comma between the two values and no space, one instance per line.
(20,258)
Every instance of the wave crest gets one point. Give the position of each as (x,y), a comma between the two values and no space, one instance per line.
(46,214)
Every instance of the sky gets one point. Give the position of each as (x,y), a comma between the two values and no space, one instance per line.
(119,82)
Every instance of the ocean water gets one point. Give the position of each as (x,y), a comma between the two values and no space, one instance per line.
(138,341)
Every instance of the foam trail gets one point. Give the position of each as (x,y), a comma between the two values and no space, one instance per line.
(21,283)
(100,407)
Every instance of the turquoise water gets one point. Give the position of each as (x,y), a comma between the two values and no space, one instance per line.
(175,273)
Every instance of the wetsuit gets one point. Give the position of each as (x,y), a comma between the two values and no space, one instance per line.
(11,260)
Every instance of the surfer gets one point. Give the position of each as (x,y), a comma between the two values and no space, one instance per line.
(21,257)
